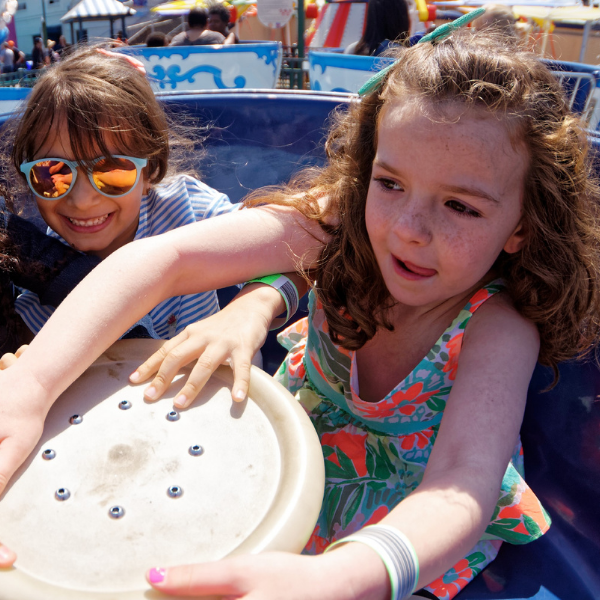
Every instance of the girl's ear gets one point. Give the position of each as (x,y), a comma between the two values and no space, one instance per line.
(517,239)
(147,184)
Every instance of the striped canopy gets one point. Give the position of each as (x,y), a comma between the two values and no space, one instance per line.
(182,7)
(89,10)
(338,24)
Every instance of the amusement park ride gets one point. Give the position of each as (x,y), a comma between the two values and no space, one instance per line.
(262,135)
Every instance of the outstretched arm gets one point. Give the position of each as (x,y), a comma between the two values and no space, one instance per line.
(447,513)
(203,256)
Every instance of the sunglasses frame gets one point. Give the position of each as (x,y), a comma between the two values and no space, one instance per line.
(139,163)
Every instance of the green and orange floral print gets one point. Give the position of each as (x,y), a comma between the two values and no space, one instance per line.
(376,452)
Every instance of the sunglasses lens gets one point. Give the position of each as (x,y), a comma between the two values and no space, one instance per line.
(51,178)
(114,176)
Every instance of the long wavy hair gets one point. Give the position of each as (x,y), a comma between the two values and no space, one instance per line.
(553,280)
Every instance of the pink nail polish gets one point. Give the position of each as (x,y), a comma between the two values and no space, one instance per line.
(156,575)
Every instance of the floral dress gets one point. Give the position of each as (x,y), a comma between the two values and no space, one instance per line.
(376,452)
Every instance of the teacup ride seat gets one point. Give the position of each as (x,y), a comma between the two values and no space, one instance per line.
(260,138)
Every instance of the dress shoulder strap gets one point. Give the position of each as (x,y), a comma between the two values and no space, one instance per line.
(475,301)
(483,294)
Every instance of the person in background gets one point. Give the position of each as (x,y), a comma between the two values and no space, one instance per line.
(121,39)
(37,54)
(61,46)
(51,56)
(19,56)
(197,33)
(7,58)
(387,22)
(500,18)
(218,20)
(156,39)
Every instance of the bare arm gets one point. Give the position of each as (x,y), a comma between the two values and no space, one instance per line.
(203,256)
(448,512)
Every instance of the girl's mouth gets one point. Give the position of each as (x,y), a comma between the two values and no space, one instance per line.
(88,225)
(413,272)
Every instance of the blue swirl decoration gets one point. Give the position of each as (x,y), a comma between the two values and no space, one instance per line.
(171,76)
(351,62)
(270,56)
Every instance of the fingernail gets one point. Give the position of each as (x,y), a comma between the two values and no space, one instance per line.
(180,401)
(134,376)
(239,395)
(156,575)
(5,554)
(150,392)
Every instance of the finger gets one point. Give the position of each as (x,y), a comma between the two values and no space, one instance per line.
(207,364)
(171,365)
(7,557)
(241,364)
(151,365)
(7,360)
(195,580)
(22,349)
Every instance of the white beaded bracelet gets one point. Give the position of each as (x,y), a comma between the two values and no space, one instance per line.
(396,552)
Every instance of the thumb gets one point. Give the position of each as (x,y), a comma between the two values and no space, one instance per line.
(7,557)
(209,580)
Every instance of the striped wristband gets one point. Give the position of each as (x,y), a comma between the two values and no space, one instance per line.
(288,291)
(396,552)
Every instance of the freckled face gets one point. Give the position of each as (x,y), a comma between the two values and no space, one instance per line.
(445,198)
(89,221)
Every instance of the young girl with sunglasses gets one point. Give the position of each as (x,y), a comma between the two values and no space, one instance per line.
(456,229)
(93,145)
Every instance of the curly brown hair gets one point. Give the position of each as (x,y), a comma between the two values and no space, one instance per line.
(554,279)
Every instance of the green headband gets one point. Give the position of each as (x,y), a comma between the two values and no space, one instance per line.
(438,34)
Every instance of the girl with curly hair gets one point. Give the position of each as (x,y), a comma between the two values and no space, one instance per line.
(451,241)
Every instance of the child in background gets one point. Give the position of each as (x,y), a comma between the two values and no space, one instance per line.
(93,144)
(460,237)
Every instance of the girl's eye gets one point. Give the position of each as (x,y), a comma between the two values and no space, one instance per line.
(459,207)
(388,184)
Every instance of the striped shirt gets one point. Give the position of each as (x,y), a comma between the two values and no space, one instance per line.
(181,201)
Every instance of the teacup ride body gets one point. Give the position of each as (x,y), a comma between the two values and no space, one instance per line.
(334,72)
(118,485)
(184,68)
(11,97)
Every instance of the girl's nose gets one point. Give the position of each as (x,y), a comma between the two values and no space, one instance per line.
(83,194)
(413,224)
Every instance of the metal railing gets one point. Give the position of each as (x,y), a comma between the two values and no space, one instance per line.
(292,76)
(19,78)
(579,88)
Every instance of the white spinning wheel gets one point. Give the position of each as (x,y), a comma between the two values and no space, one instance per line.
(118,485)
